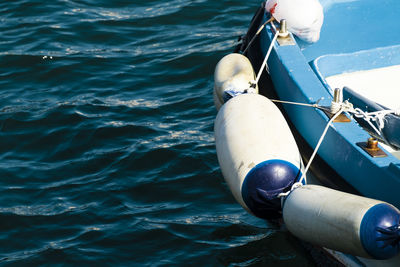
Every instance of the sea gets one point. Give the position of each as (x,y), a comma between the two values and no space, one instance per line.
(107,151)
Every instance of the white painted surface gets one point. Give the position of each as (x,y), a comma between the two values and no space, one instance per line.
(381,85)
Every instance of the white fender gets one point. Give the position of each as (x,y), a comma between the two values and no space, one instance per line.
(249,130)
(304,18)
(233,72)
(342,221)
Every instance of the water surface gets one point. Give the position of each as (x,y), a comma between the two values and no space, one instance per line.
(106,137)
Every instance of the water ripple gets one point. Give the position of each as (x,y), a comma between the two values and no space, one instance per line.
(107,150)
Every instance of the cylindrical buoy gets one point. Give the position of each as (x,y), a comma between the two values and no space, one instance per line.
(257,153)
(344,222)
(233,75)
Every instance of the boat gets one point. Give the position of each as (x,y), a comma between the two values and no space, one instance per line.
(323,76)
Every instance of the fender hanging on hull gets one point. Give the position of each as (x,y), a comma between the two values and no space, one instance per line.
(257,153)
(344,222)
(233,76)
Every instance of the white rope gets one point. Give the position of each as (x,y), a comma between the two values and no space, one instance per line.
(346,106)
(263,65)
(294,186)
(359,113)
(320,141)
(335,107)
(377,116)
(300,182)
(295,103)
(274,27)
(257,33)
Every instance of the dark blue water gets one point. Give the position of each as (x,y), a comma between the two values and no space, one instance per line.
(106,137)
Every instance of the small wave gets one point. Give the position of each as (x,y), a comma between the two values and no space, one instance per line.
(37,210)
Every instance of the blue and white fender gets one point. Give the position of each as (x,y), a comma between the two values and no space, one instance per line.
(344,222)
(257,153)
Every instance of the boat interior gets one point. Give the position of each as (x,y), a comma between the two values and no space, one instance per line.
(363,54)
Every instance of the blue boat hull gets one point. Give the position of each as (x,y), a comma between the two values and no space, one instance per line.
(294,79)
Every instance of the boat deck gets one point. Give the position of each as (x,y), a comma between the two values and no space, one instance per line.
(374,74)
(374,84)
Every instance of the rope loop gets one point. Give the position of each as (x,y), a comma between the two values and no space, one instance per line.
(294,186)
(377,116)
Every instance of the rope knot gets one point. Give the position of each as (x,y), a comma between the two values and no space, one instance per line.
(345,106)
